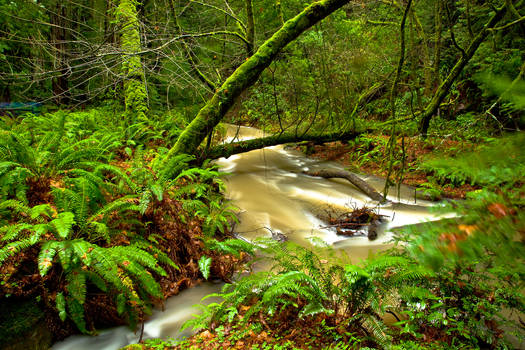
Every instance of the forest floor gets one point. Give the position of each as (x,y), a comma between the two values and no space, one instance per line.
(368,156)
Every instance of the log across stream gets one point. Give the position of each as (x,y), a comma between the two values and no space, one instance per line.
(274,196)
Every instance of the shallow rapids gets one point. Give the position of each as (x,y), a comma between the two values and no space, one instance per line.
(273,195)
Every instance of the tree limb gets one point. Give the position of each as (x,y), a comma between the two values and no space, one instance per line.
(247,74)
(354,180)
(443,89)
(229,149)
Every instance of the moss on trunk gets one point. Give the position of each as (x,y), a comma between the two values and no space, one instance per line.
(229,149)
(135,92)
(246,74)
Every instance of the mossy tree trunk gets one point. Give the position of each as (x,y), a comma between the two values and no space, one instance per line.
(444,88)
(247,74)
(228,149)
(135,91)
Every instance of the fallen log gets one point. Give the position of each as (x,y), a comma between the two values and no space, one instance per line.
(354,180)
(228,149)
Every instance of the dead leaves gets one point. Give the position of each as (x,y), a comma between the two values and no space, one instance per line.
(500,210)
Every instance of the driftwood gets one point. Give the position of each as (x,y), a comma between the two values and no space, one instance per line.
(354,179)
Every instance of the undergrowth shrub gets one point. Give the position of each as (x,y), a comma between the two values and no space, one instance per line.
(80,213)
(351,296)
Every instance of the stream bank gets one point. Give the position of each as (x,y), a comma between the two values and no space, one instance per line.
(273,195)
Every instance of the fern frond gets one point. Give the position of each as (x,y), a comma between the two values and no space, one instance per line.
(173,167)
(117,172)
(46,256)
(120,205)
(60,302)
(14,248)
(231,246)
(63,224)
(76,285)
(38,210)
(76,312)
(377,329)
(102,229)
(15,206)
(10,232)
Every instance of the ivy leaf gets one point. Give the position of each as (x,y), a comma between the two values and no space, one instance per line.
(204,266)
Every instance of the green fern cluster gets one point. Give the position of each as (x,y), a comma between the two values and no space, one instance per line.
(87,218)
(302,280)
(67,235)
(500,163)
(477,257)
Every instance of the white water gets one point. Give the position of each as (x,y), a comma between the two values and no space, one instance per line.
(272,193)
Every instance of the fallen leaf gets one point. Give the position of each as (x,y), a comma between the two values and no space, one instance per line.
(499,210)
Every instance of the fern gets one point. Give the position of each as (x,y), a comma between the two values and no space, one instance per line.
(63,224)
(126,269)
(13,248)
(231,246)
(204,266)
(487,167)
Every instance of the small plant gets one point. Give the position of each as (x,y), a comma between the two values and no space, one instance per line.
(307,285)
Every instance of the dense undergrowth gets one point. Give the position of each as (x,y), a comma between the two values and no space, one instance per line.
(454,284)
(94,229)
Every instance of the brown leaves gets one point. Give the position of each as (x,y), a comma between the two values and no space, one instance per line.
(468,229)
(500,210)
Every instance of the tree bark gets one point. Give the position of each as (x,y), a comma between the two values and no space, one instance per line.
(250,29)
(60,83)
(247,74)
(135,91)
(228,149)
(354,180)
(443,89)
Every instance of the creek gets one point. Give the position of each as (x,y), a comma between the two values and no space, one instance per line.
(273,196)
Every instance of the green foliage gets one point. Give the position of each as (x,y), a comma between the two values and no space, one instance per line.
(204,266)
(300,279)
(84,216)
(471,254)
(124,268)
(502,162)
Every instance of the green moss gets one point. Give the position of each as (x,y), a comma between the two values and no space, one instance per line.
(135,92)
(133,347)
(247,73)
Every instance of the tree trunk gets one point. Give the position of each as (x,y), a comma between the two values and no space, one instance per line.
(250,29)
(443,89)
(135,92)
(354,180)
(59,83)
(247,74)
(229,149)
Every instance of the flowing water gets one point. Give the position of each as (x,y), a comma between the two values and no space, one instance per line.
(274,196)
